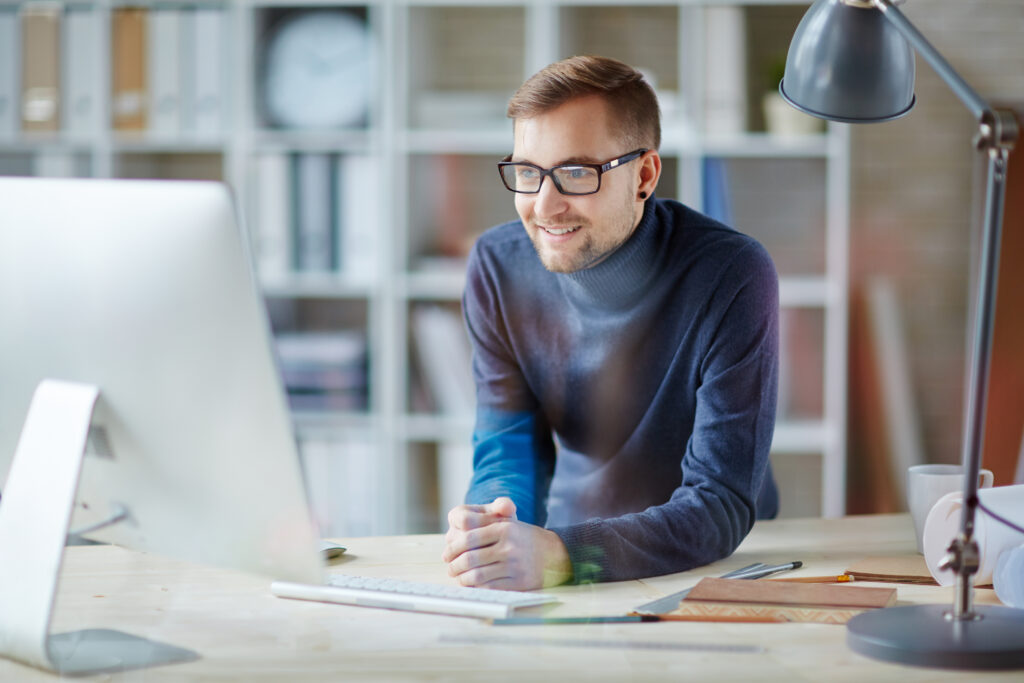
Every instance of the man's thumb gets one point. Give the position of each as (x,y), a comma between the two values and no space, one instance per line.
(504,507)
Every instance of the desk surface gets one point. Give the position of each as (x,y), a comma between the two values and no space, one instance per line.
(244,633)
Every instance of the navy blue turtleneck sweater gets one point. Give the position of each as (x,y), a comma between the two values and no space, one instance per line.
(629,407)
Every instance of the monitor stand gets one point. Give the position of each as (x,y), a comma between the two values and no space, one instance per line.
(35,514)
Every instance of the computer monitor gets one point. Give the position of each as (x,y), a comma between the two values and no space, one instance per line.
(134,306)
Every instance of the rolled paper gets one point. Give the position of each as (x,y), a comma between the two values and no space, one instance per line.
(992,536)
(1008,579)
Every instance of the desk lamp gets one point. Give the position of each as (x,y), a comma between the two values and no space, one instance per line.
(852,61)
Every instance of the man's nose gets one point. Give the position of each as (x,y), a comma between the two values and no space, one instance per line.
(549,201)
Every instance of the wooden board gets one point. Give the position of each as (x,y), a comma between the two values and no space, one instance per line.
(779,593)
(750,612)
(731,599)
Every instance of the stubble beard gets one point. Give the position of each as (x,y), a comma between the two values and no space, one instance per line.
(588,253)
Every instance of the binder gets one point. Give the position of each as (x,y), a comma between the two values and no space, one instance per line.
(78,63)
(129,78)
(312,197)
(273,217)
(203,43)
(10,47)
(165,70)
(40,67)
(357,220)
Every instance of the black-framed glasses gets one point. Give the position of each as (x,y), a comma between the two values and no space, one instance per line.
(572,179)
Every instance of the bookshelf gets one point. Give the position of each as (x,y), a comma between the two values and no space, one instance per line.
(414,168)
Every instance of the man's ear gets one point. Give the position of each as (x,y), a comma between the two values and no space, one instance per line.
(650,172)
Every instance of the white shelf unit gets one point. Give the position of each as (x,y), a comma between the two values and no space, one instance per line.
(445,70)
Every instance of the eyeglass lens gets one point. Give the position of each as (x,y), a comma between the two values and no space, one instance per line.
(570,179)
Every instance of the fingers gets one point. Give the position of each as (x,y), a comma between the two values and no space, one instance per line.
(488,576)
(458,541)
(472,561)
(486,565)
(468,517)
(474,549)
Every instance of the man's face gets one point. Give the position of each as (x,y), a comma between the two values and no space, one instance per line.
(575,232)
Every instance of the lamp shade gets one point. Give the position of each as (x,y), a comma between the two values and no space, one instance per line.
(847,63)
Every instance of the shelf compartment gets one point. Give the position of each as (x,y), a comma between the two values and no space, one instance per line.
(343,474)
(440,376)
(457,197)
(801,364)
(612,30)
(463,62)
(53,162)
(314,221)
(799,477)
(323,350)
(440,473)
(316,66)
(781,202)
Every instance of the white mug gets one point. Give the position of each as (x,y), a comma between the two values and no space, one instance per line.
(927,483)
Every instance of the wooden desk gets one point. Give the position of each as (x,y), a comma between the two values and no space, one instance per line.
(244,633)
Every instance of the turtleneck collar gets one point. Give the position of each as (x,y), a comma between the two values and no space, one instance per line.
(623,276)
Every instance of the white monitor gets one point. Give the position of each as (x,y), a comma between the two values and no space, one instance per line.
(137,300)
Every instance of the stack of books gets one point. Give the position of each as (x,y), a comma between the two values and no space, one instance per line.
(325,371)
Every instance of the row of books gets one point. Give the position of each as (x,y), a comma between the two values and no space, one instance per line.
(325,371)
(166,72)
(316,213)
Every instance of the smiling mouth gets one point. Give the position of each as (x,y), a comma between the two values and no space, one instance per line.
(560,231)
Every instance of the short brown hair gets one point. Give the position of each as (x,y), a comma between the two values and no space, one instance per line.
(630,96)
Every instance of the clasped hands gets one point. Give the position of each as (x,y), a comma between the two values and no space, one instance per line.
(486,546)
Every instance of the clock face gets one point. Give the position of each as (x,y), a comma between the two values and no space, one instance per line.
(318,71)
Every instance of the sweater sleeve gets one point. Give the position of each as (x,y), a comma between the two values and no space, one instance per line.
(726,458)
(513,452)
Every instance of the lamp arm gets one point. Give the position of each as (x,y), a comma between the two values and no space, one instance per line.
(997,133)
(978,106)
(963,557)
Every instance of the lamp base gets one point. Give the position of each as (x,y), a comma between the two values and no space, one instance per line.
(921,635)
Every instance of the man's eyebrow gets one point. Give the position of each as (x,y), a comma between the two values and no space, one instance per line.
(564,162)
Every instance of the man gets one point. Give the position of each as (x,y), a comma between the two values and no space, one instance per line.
(625,355)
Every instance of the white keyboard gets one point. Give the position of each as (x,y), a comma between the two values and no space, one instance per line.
(412,596)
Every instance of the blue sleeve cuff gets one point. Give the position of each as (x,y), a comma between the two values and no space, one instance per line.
(512,456)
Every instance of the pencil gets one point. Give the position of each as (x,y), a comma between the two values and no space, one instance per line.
(537,621)
(841,578)
(635,618)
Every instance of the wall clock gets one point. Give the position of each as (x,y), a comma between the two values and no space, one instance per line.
(318,71)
